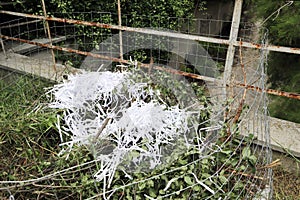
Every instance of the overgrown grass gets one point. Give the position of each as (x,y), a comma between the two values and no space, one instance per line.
(29,146)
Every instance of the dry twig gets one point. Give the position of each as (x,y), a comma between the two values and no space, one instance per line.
(275,163)
(247,175)
(102,128)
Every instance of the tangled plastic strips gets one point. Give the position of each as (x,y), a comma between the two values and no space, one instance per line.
(135,123)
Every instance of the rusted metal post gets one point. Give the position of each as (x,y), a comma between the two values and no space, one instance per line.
(120,31)
(2,45)
(49,35)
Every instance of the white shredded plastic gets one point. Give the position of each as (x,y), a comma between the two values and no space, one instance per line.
(138,127)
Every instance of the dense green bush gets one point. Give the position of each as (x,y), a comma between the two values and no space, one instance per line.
(153,13)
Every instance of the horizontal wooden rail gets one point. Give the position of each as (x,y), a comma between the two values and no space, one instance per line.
(123,28)
(21,24)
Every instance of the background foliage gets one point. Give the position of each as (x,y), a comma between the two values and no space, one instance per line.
(283,69)
(153,13)
(159,13)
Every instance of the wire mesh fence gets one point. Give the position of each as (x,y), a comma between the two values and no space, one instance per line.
(221,150)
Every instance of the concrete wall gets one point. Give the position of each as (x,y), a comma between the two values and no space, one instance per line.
(285,135)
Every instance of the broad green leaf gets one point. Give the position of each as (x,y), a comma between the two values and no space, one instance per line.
(197,188)
(227,152)
(150,183)
(162,192)
(223,179)
(152,192)
(142,185)
(246,152)
(252,159)
(188,180)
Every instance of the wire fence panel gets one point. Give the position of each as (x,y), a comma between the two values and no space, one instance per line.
(221,150)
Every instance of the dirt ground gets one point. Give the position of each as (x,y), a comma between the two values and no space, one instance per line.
(286,178)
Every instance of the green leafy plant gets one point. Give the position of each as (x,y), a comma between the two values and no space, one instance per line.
(29,129)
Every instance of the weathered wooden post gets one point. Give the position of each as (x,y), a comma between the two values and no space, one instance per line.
(232,40)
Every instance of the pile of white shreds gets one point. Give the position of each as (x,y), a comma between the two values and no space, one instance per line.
(124,121)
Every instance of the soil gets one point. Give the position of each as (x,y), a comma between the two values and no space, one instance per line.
(286,178)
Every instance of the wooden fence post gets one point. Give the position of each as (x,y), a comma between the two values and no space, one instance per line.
(232,40)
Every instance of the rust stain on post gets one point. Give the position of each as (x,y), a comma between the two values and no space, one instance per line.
(49,35)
